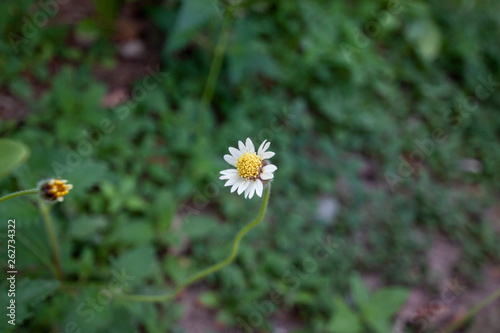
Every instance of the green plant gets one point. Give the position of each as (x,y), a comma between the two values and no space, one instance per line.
(13,154)
(372,310)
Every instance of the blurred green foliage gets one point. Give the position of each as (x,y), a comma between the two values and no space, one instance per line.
(13,154)
(343,91)
(376,309)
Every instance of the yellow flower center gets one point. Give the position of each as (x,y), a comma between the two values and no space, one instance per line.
(248,165)
(57,188)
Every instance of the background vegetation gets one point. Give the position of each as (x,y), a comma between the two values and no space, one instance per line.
(383,116)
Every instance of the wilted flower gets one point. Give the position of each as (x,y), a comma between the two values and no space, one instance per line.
(54,189)
(253,170)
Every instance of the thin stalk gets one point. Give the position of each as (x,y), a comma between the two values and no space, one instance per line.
(473,311)
(44,210)
(215,68)
(209,270)
(19,194)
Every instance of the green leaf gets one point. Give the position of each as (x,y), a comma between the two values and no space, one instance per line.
(81,312)
(393,298)
(138,264)
(28,294)
(426,38)
(251,58)
(84,227)
(64,90)
(175,269)
(379,324)
(359,291)
(305,298)
(24,211)
(200,227)
(157,101)
(13,154)
(136,204)
(209,299)
(85,175)
(133,233)
(383,305)
(192,15)
(344,319)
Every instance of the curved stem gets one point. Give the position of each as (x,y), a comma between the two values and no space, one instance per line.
(19,194)
(209,270)
(44,209)
(473,311)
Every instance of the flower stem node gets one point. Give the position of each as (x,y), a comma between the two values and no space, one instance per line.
(253,170)
(54,190)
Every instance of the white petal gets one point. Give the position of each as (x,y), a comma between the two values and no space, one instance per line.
(241,146)
(229,172)
(244,186)
(264,147)
(267,155)
(269,168)
(229,176)
(231,181)
(237,184)
(230,159)
(251,190)
(259,187)
(261,148)
(266,176)
(247,192)
(250,146)
(235,152)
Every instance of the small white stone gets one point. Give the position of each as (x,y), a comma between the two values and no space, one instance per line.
(472,165)
(132,49)
(328,208)
(280,330)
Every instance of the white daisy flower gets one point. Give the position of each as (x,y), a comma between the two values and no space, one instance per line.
(253,170)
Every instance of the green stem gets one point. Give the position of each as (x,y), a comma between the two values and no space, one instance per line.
(44,210)
(213,75)
(209,270)
(473,311)
(19,194)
